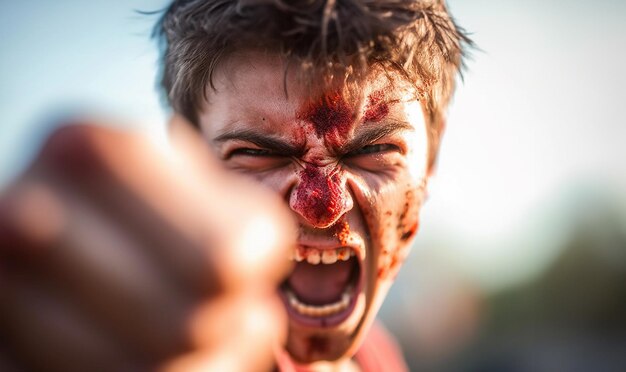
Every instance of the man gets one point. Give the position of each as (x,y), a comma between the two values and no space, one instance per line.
(337,107)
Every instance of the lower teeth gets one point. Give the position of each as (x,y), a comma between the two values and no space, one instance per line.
(322,310)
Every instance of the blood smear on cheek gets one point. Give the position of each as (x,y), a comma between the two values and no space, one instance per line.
(406,228)
(391,260)
(408,220)
(319,198)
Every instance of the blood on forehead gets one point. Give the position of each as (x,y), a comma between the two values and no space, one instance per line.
(377,108)
(331,117)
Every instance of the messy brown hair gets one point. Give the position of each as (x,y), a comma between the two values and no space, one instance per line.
(325,38)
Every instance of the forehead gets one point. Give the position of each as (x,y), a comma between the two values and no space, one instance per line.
(266,83)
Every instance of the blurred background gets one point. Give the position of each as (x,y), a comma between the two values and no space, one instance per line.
(520,264)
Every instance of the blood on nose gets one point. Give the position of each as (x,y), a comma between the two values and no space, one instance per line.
(320,197)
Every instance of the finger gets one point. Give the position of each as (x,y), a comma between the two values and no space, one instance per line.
(30,217)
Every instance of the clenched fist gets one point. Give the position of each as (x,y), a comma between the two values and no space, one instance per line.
(119,256)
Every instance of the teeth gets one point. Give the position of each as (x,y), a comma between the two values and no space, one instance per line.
(344,254)
(298,255)
(313,256)
(321,310)
(327,256)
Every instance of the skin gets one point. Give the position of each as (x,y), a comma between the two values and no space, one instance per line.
(363,150)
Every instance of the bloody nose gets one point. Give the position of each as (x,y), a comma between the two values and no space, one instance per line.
(321,196)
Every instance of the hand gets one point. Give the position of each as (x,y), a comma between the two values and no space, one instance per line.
(115,255)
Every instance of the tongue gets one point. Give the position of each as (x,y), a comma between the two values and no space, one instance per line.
(320,284)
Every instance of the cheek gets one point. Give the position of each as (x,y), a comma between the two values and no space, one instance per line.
(400,218)
(401,225)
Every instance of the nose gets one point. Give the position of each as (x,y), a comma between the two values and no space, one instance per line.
(321,196)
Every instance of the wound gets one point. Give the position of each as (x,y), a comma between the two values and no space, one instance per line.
(331,118)
(319,198)
(377,109)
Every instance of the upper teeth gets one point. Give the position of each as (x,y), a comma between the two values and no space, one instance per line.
(326,256)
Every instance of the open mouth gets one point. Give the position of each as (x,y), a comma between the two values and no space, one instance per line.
(321,290)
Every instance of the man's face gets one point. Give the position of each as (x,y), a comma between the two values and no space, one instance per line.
(352,166)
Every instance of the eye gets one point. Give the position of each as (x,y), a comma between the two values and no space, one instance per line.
(374,149)
(250,159)
(251,152)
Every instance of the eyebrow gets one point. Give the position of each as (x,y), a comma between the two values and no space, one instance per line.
(263,141)
(374,133)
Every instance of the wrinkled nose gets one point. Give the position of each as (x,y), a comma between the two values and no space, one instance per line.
(321,196)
